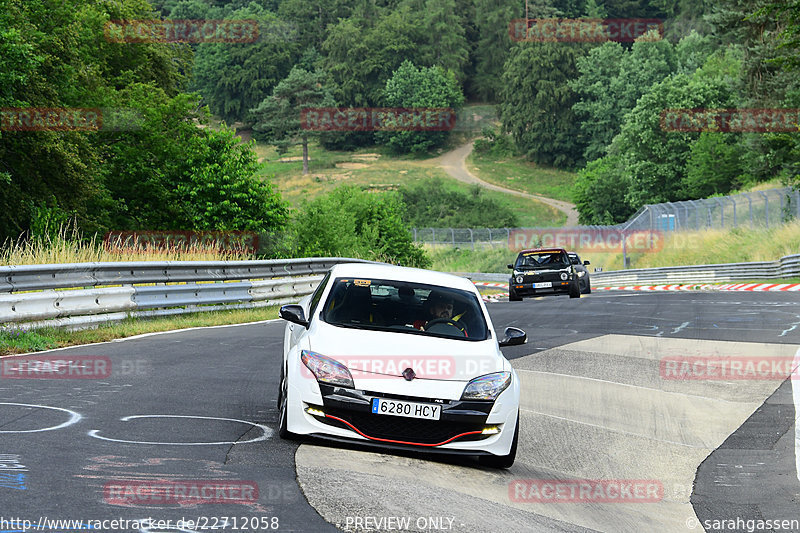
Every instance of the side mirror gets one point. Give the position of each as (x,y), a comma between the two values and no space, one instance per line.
(511,267)
(513,337)
(586,263)
(294,313)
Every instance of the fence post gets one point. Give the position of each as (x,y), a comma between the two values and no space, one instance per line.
(750,204)
(734,210)
(721,212)
(472,239)
(508,237)
(797,202)
(766,207)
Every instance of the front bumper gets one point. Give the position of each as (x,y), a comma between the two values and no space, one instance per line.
(528,289)
(346,415)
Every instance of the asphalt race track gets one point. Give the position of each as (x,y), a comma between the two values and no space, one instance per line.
(193,415)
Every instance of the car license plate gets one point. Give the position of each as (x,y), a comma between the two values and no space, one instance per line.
(384,406)
(543,285)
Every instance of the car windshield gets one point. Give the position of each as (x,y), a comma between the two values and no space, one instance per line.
(542,259)
(407,307)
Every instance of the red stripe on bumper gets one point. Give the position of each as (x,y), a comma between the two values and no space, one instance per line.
(400,441)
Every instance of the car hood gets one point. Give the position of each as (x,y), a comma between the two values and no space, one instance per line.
(377,359)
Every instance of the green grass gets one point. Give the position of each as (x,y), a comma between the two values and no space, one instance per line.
(22,341)
(521,175)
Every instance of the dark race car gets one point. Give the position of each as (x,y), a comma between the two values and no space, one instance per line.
(543,271)
(582,272)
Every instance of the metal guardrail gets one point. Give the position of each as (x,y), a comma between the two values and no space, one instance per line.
(34,296)
(168,288)
(785,267)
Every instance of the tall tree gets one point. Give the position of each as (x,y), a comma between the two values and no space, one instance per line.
(447,45)
(536,102)
(235,77)
(277,118)
(492,17)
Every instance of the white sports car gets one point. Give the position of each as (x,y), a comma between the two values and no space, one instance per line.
(401,358)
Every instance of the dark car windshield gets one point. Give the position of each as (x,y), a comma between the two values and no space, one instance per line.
(575,259)
(406,307)
(542,259)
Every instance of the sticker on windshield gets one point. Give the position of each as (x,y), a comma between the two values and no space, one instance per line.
(362,282)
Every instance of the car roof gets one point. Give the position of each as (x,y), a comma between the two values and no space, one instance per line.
(532,250)
(398,273)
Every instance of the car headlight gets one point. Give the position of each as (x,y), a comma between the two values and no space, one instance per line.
(581,273)
(519,279)
(327,370)
(564,276)
(487,387)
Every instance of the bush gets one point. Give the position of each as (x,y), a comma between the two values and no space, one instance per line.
(430,204)
(350,222)
(495,144)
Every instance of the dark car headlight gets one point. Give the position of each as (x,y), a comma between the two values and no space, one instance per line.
(487,387)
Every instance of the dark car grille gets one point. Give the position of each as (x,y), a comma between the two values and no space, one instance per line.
(403,429)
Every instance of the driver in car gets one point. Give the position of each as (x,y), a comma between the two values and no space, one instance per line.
(439,305)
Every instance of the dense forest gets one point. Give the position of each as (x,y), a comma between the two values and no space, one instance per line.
(592,107)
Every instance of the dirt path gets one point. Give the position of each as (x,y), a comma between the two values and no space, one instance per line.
(454,163)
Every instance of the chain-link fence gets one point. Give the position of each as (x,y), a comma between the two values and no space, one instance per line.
(760,209)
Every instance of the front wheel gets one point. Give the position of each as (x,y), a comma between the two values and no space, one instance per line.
(502,461)
(574,291)
(587,288)
(512,296)
(283,408)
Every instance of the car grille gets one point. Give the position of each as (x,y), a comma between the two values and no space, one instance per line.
(404,429)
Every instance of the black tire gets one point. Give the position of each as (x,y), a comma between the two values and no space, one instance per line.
(502,461)
(283,387)
(512,295)
(586,287)
(574,291)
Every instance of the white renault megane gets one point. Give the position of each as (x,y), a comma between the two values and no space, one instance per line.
(400,358)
